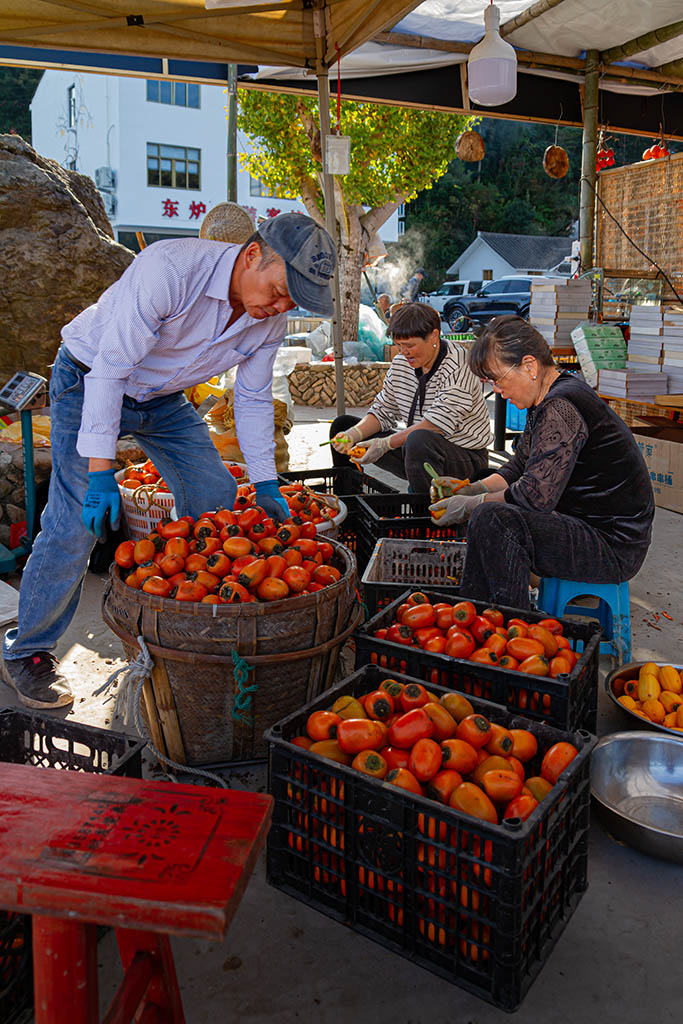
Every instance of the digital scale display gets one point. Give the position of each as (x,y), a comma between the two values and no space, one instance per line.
(24,391)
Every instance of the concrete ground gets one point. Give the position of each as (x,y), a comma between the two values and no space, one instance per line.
(617,961)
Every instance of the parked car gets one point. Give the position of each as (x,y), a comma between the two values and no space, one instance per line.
(448,290)
(507,295)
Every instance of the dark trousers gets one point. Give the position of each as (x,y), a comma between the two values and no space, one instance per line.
(421,446)
(506,543)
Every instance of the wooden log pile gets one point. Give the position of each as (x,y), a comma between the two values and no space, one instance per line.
(313,383)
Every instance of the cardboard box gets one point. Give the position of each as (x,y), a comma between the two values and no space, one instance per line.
(662,449)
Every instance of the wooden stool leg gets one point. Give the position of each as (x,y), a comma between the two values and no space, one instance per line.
(64,971)
(162,993)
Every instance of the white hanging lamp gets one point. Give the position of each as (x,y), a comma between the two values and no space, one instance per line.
(492,65)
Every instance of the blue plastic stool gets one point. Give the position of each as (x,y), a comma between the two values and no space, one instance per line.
(613,611)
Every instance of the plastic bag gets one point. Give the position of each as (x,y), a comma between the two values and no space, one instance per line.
(41,432)
(319,339)
(371,335)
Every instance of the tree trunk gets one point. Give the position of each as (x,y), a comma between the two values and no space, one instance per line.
(350,265)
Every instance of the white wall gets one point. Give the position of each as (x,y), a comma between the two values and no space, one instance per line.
(117,108)
(481,258)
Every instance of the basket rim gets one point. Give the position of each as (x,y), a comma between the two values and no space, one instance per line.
(250,609)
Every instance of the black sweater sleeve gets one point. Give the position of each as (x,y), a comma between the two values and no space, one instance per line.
(555,440)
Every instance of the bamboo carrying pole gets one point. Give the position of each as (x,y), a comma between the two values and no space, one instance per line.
(588,157)
(331,225)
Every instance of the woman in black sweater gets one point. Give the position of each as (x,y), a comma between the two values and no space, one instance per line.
(575,502)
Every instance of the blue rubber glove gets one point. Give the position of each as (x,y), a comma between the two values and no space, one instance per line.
(101,499)
(271,501)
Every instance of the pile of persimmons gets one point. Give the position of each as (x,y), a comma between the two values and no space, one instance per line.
(459,631)
(439,748)
(230,556)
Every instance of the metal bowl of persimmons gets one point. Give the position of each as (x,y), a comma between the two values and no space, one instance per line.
(651,694)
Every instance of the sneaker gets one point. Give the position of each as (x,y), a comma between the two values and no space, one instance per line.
(38,681)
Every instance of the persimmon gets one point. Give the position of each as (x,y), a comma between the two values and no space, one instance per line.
(502,786)
(195,562)
(234,593)
(556,759)
(144,551)
(219,564)
(470,799)
(272,589)
(296,578)
(171,564)
(326,574)
(190,590)
(234,547)
(177,546)
(157,585)
(125,554)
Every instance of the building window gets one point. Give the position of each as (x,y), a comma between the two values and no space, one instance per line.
(487,275)
(173,166)
(71,106)
(176,94)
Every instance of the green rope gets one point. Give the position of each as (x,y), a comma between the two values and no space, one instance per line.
(241,706)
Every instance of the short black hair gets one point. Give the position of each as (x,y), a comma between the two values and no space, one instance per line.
(414,320)
(507,339)
(268,254)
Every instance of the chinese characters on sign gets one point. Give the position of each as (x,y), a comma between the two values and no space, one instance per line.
(169,208)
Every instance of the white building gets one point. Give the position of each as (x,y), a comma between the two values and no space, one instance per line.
(492,255)
(156,150)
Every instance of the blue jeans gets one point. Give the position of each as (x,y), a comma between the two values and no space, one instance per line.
(170,432)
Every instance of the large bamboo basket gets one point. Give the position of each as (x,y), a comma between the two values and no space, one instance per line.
(291,646)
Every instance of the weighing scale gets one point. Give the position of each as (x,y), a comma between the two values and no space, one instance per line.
(23,393)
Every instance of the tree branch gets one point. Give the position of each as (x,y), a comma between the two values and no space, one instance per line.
(373,219)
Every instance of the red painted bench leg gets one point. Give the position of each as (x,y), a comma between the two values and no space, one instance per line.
(162,993)
(64,971)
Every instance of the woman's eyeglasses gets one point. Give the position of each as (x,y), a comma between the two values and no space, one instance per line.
(497,382)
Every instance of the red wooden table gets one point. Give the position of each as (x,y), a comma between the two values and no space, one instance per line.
(150,859)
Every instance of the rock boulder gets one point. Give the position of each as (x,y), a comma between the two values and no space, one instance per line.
(57,254)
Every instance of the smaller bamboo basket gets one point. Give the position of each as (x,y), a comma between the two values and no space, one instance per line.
(198,709)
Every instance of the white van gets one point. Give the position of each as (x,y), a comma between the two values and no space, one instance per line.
(449,290)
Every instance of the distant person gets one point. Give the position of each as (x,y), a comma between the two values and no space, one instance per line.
(412,289)
(430,409)
(383,306)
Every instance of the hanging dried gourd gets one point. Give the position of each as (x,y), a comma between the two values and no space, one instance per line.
(555,161)
(469,146)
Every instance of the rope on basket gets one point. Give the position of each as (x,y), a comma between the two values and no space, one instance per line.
(127,704)
(241,705)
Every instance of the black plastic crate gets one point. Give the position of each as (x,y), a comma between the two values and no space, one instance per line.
(398,515)
(567,702)
(339,480)
(480,905)
(28,737)
(396,564)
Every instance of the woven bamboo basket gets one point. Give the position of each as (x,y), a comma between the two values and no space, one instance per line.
(196,709)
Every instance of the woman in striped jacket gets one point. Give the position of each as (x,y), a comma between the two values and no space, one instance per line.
(431,408)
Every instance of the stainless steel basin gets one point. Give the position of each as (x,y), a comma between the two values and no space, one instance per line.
(637,783)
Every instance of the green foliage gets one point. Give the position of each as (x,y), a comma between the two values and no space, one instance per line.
(508,192)
(17,86)
(394,151)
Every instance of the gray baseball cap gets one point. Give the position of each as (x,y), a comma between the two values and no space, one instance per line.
(309,255)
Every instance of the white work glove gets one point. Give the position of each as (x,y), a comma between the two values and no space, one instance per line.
(457,509)
(346,439)
(450,485)
(377,447)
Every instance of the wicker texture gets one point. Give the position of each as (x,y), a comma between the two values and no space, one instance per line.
(227,222)
(202,692)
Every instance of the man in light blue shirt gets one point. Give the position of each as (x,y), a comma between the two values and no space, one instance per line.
(184,310)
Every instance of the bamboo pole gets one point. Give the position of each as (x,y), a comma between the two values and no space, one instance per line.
(588,157)
(331,225)
(536,58)
(640,43)
(535,11)
(672,67)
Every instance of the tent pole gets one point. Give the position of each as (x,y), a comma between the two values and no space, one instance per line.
(331,225)
(232,134)
(588,157)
